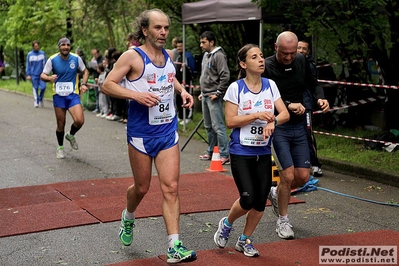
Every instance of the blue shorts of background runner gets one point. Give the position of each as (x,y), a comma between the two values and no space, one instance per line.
(152,146)
(290,144)
(66,102)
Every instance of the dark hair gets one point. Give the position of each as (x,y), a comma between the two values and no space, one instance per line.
(111,50)
(79,52)
(209,35)
(143,21)
(115,55)
(242,57)
(34,42)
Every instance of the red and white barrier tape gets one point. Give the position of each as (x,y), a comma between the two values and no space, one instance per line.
(351,137)
(91,85)
(359,102)
(358,84)
(334,64)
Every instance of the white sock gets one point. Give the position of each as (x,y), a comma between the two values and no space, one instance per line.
(283,218)
(274,191)
(129,215)
(171,240)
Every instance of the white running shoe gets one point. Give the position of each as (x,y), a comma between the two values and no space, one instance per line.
(60,152)
(284,230)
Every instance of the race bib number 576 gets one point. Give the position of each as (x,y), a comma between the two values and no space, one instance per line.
(64,88)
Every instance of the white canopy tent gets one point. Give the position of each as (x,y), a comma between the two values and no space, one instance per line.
(208,11)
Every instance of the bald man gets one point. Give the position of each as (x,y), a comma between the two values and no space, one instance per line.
(292,75)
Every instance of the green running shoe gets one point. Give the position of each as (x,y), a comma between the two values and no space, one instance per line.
(72,140)
(126,230)
(180,253)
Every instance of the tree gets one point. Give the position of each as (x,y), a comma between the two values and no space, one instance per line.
(89,23)
(358,29)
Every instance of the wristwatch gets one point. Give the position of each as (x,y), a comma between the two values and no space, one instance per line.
(287,103)
(83,84)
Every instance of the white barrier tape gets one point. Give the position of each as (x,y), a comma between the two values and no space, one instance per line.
(351,137)
(344,106)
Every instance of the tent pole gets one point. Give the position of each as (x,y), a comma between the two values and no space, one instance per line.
(184,72)
(261,35)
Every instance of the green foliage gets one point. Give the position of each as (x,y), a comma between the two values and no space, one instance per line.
(348,29)
(101,24)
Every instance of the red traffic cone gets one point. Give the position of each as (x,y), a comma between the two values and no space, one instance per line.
(216,163)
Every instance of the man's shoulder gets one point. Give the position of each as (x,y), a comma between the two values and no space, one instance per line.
(271,58)
(54,56)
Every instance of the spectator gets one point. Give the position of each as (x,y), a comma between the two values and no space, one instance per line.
(103,98)
(35,61)
(174,47)
(1,68)
(95,61)
(117,104)
(81,54)
(214,80)
(308,103)
(189,66)
(132,42)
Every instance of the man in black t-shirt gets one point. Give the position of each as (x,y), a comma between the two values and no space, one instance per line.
(292,75)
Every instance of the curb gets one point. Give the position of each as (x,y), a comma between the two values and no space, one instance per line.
(385,177)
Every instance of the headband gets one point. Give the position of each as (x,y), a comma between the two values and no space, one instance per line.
(64,40)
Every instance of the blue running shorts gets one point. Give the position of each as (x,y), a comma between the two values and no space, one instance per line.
(66,102)
(290,144)
(151,146)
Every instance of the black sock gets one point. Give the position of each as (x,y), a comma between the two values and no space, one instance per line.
(73,130)
(60,137)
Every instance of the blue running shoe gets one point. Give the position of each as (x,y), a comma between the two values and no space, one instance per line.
(247,248)
(222,234)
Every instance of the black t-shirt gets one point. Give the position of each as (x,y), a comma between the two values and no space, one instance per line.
(292,80)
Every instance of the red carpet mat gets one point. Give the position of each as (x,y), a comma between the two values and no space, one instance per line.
(199,192)
(38,208)
(283,253)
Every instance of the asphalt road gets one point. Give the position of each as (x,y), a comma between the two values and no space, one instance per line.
(27,157)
